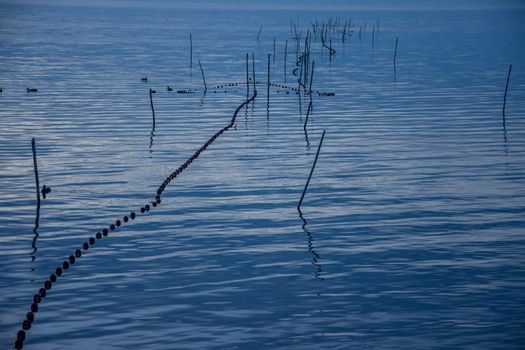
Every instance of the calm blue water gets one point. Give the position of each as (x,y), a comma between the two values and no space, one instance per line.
(413,231)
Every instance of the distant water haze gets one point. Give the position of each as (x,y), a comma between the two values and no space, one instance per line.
(289,4)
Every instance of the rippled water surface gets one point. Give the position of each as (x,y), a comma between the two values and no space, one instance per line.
(412,234)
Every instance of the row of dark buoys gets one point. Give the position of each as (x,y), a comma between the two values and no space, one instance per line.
(187,91)
(197,153)
(285,87)
(66,264)
(227,85)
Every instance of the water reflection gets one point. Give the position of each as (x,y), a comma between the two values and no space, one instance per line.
(504,129)
(505,146)
(37,215)
(300,104)
(306,122)
(268,117)
(153,123)
(35,233)
(395,73)
(311,248)
(152,135)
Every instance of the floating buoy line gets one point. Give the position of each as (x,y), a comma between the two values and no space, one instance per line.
(91,241)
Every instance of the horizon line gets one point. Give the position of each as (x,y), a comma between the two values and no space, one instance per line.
(258,6)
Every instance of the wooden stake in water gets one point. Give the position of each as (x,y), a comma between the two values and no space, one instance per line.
(506,88)
(268,91)
(191,54)
(306,58)
(253,78)
(253,72)
(247,80)
(151,92)
(307,115)
(373,36)
(37,216)
(259,34)
(297,50)
(395,51)
(332,51)
(203,79)
(311,172)
(311,79)
(35,168)
(285,55)
(274,50)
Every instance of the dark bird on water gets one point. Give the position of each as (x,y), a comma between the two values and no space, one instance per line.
(145,79)
(169,88)
(45,190)
(31,90)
